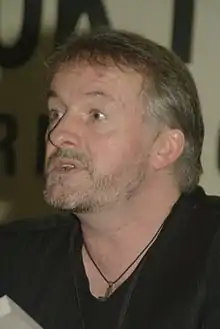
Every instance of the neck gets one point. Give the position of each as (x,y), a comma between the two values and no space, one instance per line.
(141,216)
(116,237)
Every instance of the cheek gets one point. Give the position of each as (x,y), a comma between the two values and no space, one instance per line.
(115,154)
(49,150)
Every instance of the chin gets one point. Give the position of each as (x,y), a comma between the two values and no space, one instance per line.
(64,199)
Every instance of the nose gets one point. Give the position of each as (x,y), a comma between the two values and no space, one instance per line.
(66,132)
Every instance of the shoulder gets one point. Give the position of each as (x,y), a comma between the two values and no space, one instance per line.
(20,235)
(211,208)
(33,224)
(34,239)
(213,202)
(213,214)
(207,207)
(212,303)
(31,249)
(37,226)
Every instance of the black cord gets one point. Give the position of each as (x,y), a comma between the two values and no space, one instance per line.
(75,250)
(112,283)
(131,289)
(129,294)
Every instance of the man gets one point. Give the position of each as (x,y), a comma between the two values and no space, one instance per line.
(137,246)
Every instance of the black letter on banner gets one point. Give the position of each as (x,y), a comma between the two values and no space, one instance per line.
(6,144)
(70,11)
(183,28)
(22,51)
(42,127)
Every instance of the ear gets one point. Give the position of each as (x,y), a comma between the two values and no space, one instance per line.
(168,147)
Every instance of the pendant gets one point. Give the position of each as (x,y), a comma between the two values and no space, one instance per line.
(108,292)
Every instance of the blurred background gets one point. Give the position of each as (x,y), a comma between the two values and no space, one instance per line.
(29,32)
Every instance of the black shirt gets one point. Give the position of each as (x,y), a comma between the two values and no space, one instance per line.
(177,287)
(98,313)
(101,314)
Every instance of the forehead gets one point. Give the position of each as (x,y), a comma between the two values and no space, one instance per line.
(85,78)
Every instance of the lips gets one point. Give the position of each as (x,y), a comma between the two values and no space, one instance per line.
(67,167)
(63,166)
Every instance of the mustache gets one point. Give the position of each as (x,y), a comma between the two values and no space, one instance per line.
(61,154)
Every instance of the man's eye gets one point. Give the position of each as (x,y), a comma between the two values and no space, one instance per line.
(54,116)
(97,115)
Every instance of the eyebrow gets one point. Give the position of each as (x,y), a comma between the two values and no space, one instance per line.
(95,93)
(98,93)
(51,93)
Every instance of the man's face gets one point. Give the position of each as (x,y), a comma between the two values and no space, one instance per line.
(98,145)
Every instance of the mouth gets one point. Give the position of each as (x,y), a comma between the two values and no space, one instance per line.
(63,167)
(67,167)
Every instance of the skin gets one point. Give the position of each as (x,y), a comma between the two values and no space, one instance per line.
(121,186)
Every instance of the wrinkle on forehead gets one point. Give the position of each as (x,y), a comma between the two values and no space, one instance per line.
(118,82)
